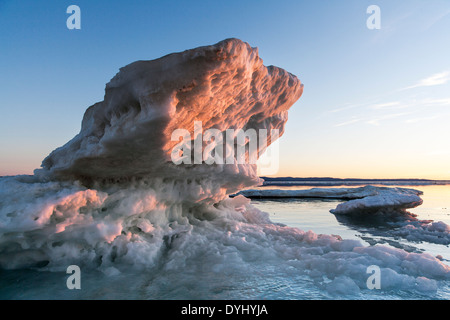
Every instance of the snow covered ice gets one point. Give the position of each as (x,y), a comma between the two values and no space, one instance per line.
(111,200)
(381,198)
(383,194)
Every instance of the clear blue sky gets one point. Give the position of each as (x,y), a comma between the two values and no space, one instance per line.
(376,102)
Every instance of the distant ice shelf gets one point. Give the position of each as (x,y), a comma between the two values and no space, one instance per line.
(385,195)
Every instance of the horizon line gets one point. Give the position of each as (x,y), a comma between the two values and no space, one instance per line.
(375,179)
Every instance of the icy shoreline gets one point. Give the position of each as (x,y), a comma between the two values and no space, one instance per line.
(121,232)
(111,201)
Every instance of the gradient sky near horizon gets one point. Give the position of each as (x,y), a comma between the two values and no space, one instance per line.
(376,103)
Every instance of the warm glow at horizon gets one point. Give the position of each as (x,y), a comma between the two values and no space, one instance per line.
(343,171)
(356,175)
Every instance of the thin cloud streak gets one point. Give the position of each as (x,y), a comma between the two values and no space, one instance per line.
(376,121)
(436,102)
(433,80)
(416,120)
(347,122)
(386,105)
(438,18)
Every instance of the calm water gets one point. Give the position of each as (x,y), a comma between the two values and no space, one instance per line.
(314,215)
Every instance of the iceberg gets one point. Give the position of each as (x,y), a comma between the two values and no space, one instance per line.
(128,135)
(111,178)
